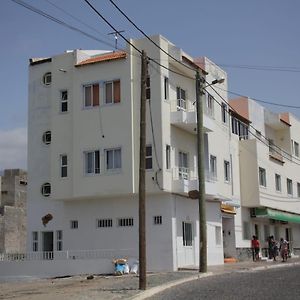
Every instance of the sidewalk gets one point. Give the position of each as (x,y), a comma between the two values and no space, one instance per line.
(120,287)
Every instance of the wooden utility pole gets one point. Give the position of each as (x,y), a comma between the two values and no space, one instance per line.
(142,184)
(200,98)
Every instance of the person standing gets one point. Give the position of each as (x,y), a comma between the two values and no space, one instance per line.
(283,249)
(255,248)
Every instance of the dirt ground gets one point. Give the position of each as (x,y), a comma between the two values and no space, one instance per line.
(75,288)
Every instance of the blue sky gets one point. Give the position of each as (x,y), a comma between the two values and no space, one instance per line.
(231,33)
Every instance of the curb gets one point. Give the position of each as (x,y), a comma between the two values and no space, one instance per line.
(158,289)
(152,291)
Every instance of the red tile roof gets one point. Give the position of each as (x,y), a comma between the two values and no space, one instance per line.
(103,58)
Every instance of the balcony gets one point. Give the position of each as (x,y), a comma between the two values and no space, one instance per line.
(183,115)
(276,153)
(185,180)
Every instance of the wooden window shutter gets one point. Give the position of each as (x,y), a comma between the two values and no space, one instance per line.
(117,91)
(96,94)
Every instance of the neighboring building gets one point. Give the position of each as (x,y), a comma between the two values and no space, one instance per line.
(13,187)
(270,175)
(83,156)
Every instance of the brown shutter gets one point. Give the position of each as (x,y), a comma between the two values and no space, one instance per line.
(95,94)
(117,91)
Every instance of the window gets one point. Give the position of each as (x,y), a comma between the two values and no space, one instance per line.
(181,99)
(101,223)
(46,189)
(213,166)
(278,182)
(64,101)
(148,157)
(289,186)
(210,104)
(218,235)
(226,170)
(125,222)
(239,128)
(166,88)
(276,233)
(262,177)
(47,137)
(187,234)
(35,241)
(112,92)
(157,220)
(148,91)
(113,159)
(246,231)
(183,165)
(47,78)
(92,162)
(168,156)
(64,166)
(296,148)
(59,242)
(91,95)
(298,189)
(224,112)
(74,224)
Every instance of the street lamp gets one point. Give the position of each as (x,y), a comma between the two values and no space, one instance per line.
(200,98)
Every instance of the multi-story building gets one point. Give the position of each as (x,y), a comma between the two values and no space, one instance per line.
(269,175)
(13,188)
(83,156)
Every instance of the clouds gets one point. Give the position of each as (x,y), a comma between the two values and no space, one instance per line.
(13,148)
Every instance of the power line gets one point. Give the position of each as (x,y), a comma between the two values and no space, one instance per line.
(58,21)
(141,31)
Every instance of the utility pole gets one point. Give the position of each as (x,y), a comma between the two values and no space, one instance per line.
(142,184)
(200,98)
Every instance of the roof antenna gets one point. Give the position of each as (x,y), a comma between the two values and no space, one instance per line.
(115,33)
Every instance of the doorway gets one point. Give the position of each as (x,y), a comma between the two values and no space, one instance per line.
(48,244)
(229,246)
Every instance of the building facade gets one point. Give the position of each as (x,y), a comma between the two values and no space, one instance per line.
(269,175)
(83,156)
(13,231)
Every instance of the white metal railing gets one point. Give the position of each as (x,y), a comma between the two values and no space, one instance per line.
(210,176)
(180,173)
(69,254)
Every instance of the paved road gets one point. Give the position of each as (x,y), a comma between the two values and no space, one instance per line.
(280,283)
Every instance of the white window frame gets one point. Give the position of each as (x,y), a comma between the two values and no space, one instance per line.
(91,86)
(296,149)
(227,176)
(125,222)
(210,105)
(213,167)
(112,83)
(104,223)
(114,167)
(224,113)
(181,101)
(95,168)
(64,100)
(277,182)
(262,174)
(46,189)
(74,224)
(47,137)
(246,231)
(63,165)
(157,220)
(183,165)
(187,234)
(47,78)
(35,241)
(59,240)
(289,186)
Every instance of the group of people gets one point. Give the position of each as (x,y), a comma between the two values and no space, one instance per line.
(272,248)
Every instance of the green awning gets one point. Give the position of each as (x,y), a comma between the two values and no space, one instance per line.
(277,215)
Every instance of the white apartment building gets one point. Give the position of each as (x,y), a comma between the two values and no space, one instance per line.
(270,177)
(83,156)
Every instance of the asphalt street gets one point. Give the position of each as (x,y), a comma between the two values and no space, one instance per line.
(280,283)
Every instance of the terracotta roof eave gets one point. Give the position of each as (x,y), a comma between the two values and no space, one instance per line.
(102,58)
(192,63)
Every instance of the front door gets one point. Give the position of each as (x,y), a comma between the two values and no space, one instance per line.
(48,244)
(188,244)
